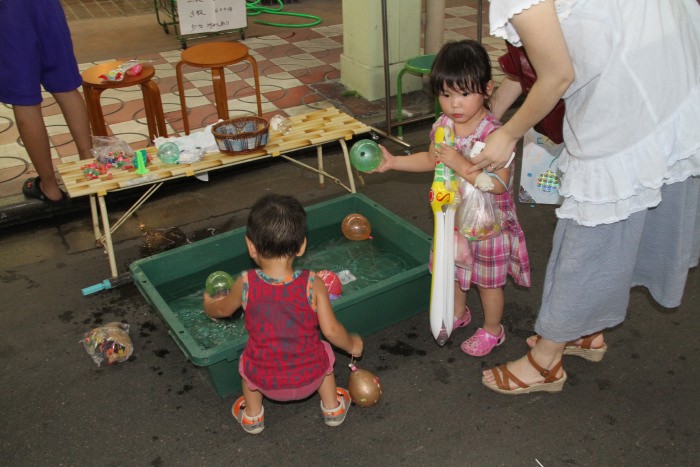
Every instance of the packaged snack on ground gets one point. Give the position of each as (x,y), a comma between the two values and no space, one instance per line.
(109,343)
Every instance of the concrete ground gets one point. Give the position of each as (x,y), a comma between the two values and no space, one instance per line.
(639,406)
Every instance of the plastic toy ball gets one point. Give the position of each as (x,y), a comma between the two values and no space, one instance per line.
(364,387)
(218,283)
(365,155)
(332,281)
(169,153)
(356,227)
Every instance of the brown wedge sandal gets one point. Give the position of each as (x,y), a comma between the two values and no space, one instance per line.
(503,377)
(583,350)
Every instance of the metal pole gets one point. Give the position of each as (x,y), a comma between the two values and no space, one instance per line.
(387,81)
(479,19)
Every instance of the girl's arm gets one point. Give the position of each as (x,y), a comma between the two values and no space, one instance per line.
(223,307)
(542,37)
(331,328)
(462,166)
(418,162)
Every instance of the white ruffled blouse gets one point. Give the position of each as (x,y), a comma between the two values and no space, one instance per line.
(632,118)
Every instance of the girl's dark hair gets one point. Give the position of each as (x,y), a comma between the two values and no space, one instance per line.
(461,65)
(277,226)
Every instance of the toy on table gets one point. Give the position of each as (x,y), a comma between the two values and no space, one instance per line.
(131,68)
(332,281)
(365,155)
(109,343)
(281,124)
(141,159)
(169,153)
(363,386)
(443,197)
(356,227)
(218,283)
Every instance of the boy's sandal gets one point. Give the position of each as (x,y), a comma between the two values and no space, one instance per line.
(31,189)
(503,377)
(252,425)
(584,349)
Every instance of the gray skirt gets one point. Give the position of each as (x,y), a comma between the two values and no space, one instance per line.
(591,269)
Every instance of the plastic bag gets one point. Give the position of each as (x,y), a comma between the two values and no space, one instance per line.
(477,216)
(109,343)
(110,149)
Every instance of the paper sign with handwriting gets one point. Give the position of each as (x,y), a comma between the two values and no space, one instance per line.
(204,16)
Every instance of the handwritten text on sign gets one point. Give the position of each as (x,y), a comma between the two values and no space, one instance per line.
(203,16)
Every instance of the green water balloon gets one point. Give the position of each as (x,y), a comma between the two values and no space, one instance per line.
(168,153)
(365,155)
(218,283)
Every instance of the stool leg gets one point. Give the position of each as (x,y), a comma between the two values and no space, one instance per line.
(154,110)
(399,111)
(148,110)
(94,109)
(181,91)
(257,82)
(217,77)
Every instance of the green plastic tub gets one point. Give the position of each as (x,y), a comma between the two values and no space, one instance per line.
(392,281)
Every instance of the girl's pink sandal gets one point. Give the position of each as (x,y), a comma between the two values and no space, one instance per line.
(482,342)
(458,323)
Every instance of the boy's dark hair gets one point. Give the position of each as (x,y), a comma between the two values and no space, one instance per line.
(461,65)
(277,226)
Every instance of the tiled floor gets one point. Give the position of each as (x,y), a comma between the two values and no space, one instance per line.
(299,71)
(91,9)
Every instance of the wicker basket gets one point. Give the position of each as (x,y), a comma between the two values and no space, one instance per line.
(241,135)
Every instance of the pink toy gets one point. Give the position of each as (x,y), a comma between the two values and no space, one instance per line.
(333,284)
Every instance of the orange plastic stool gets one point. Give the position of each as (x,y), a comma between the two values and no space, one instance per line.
(216,56)
(93,86)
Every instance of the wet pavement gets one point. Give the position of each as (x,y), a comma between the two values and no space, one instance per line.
(639,406)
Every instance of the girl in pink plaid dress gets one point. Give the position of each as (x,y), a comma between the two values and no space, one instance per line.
(461,78)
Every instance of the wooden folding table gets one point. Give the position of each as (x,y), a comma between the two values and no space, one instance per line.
(308,130)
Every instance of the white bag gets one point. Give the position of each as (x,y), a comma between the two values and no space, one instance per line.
(539,177)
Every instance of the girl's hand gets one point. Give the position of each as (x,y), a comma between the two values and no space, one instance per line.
(495,156)
(450,157)
(387,161)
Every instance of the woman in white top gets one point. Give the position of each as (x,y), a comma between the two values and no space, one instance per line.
(629,73)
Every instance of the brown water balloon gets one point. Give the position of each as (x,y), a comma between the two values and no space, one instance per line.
(364,387)
(356,227)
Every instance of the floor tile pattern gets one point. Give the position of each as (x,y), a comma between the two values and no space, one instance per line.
(299,71)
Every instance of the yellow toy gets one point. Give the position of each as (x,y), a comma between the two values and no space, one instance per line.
(444,194)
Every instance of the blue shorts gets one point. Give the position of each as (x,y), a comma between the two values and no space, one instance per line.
(36,50)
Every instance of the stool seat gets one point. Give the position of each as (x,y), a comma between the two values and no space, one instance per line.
(420,64)
(216,56)
(93,86)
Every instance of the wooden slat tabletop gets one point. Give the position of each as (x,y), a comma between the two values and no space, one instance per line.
(311,129)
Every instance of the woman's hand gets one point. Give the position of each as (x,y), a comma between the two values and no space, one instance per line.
(496,154)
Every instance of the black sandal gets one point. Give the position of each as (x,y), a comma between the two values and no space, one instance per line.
(32,189)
